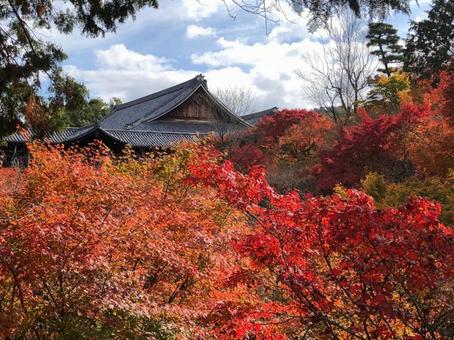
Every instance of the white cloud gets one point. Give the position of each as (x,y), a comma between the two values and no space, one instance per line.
(127,74)
(195,31)
(291,26)
(119,57)
(175,13)
(270,68)
(267,68)
(200,9)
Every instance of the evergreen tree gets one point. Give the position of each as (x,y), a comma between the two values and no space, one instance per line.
(430,44)
(385,41)
(28,64)
(91,112)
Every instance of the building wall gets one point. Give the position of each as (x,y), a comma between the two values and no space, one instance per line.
(199,107)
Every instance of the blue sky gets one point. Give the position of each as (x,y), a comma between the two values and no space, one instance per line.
(186,37)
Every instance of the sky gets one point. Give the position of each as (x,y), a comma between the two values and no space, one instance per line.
(183,38)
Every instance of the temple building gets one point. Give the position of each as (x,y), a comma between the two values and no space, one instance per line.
(253,118)
(154,122)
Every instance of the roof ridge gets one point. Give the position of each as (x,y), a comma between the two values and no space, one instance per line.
(261,111)
(225,107)
(29,131)
(154,132)
(187,83)
(79,127)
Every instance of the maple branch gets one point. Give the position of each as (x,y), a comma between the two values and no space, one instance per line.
(306,301)
(50,292)
(319,314)
(328,263)
(412,298)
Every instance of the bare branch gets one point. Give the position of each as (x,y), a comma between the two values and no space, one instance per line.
(337,80)
(238,99)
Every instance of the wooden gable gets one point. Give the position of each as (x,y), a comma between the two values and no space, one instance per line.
(198,107)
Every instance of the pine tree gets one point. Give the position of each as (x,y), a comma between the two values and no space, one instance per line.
(383,37)
(430,44)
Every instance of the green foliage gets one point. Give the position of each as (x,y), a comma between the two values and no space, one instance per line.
(340,190)
(430,44)
(383,37)
(388,92)
(388,194)
(124,325)
(90,112)
(28,64)
(374,184)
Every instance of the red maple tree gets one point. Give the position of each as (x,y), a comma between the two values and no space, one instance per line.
(92,247)
(333,266)
(375,144)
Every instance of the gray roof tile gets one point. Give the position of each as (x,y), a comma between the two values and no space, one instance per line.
(135,122)
(124,117)
(67,135)
(253,118)
(146,139)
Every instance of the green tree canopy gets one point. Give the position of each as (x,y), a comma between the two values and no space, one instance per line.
(28,64)
(91,112)
(385,42)
(430,44)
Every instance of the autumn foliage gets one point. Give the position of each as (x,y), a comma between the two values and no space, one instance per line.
(334,266)
(296,229)
(410,145)
(375,144)
(186,246)
(99,248)
(288,143)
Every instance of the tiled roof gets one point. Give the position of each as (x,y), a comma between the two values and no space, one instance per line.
(149,108)
(135,138)
(128,114)
(253,118)
(146,139)
(136,122)
(183,126)
(64,136)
